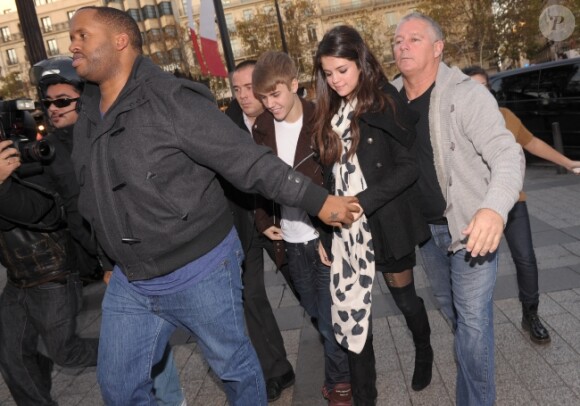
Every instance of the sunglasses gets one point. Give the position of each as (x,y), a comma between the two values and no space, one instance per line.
(60,103)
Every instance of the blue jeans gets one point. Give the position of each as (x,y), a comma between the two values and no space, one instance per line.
(166,383)
(518,235)
(464,288)
(311,279)
(136,328)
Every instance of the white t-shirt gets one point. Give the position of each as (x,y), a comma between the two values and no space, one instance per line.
(295,223)
(247,122)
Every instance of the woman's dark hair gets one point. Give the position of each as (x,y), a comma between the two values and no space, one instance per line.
(475,70)
(345,42)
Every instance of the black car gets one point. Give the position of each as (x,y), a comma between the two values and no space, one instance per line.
(541,95)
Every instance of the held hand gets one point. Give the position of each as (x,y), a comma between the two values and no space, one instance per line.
(358,215)
(107,276)
(9,160)
(323,257)
(339,210)
(484,231)
(574,167)
(274,233)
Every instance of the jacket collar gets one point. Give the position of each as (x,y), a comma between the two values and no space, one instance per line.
(400,125)
(264,123)
(264,131)
(129,97)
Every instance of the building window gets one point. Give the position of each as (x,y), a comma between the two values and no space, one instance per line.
(161,58)
(237,50)
(41,2)
(268,10)
(135,14)
(311,32)
(334,5)
(149,12)
(12,57)
(165,9)
(5,34)
(154,34)
(230,23)
(176,55)
(52,47)
(46,24)
(70,14)
(248,15)
(391,19)
(170,31)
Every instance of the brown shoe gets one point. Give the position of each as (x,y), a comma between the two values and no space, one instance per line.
(341,395)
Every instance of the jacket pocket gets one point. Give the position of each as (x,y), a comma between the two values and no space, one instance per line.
(155,182)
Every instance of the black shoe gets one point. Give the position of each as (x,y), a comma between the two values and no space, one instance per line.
(423,369)
(275,386)
(532,323)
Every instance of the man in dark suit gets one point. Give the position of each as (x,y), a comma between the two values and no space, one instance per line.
(262,326)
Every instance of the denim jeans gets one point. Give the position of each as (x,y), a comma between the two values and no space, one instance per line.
(464,288)
(519,238)
(312,281)
(166,383)
(47,311)
(135,330)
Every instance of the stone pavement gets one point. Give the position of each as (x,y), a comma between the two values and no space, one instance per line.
(527,374)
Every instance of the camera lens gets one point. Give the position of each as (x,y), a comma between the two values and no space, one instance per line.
(36,151)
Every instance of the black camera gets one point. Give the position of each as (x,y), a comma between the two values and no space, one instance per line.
(19,126)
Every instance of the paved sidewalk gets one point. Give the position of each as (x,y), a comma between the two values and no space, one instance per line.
(526,373)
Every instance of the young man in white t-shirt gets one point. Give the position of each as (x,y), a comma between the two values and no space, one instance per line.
(286,127)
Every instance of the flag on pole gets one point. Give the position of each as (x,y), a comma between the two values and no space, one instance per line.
(197,50)
(194,40)
(209,45)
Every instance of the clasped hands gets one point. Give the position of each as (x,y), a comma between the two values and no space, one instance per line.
(340,210)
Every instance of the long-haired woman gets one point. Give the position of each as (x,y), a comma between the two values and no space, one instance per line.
(364,134)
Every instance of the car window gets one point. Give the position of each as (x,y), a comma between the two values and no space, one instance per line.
(560,81)
(522,87)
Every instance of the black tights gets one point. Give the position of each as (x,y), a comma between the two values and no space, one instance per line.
(402,287)
(362,366)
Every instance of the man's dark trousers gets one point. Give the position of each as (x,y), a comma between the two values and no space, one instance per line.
(262,326)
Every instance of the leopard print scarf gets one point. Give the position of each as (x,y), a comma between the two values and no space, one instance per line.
(353,267)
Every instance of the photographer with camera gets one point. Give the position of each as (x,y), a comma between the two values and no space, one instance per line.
(18,202)
(43,292)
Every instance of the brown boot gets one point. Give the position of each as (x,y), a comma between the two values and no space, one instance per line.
(341,395)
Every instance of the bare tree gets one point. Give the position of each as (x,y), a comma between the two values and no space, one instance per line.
(261,32)
(469,28)
(12,86)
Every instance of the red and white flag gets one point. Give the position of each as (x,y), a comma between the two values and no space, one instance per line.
(209,45)
(197,50)
(193,36)
(208,56)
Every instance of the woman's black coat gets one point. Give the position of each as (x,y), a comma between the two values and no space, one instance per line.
(387,159)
